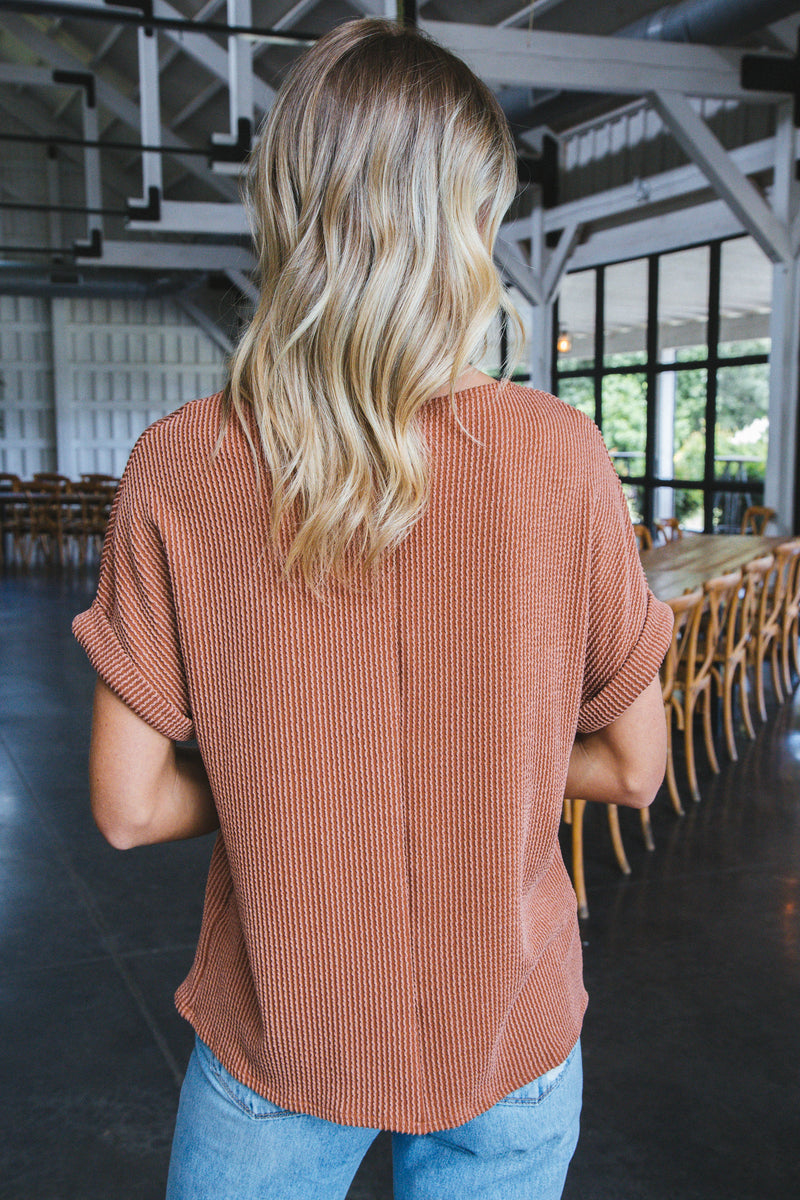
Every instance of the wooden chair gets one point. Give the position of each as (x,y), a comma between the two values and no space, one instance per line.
(46,517)
(9,514)
(48,477)
(787,639)
(730,659)
(643,537)
(756,519)
(693,678)
(687,611)
(669,529)
(574,810)
(766,626)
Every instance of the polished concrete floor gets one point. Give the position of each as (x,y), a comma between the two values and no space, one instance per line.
(691,1042)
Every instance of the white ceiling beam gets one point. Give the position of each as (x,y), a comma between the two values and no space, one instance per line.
(584,63)
(513,266)
(190,216)
(559,259)
(701,145)
(25,76)
(177,256)
(693,225)
(644,193)
(109,96)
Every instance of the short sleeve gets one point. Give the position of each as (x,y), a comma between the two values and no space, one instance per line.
(629,629)
(130,633)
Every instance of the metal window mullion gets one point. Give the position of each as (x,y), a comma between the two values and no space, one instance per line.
(599,342)
(652,385)
(714,287)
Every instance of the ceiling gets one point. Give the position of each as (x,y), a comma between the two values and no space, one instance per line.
(194,100)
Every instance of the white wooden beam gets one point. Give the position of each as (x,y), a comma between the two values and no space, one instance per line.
(559,259)
(697,140)
(585,63)
(195,216)
(22,75)
(177,256)
(150,105)
(513,266)
(658,189)
(91,165)
(688,226)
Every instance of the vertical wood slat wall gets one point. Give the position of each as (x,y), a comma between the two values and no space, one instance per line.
(82,377)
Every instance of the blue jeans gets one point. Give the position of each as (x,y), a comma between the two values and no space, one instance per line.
(232,1144)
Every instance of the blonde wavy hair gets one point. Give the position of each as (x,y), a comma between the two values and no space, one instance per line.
(376,188)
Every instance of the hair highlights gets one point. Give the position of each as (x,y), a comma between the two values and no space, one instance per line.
(377,187)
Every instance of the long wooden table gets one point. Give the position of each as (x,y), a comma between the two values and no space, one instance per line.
(688,562)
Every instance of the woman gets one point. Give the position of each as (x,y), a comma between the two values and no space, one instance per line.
(399,606)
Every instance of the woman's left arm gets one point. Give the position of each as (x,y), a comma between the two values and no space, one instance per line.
(144,788)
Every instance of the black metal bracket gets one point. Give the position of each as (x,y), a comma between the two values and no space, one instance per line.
(541,170)
(82,79)
(407,14)
(148,210)
(233,152)
(91,249)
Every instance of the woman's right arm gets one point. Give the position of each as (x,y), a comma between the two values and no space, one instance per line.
(624,762)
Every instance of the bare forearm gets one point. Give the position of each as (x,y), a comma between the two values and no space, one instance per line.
(595,774)
(623,763)
(186,809)
(176,803)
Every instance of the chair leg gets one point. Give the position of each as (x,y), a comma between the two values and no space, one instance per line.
(616,839)
(787,674)
(776,678)
(672,784)
(647,829)
(745,701)
(708,732)
(727,714)
(762,704)
(578,879)
(688,741)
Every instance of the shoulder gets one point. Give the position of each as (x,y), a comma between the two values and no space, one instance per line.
(182,442)
(561,428)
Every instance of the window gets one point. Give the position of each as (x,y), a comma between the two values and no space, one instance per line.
(670,355)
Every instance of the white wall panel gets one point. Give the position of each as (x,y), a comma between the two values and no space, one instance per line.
(83,377)
(126,363)
(27,431)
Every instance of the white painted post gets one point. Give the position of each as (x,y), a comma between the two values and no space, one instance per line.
(63,393)
(240,66)
(541,364)
(664,498)
(150,105)
(784,375)
(54,198)
(91,165)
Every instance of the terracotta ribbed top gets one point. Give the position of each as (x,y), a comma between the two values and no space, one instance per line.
(389,936)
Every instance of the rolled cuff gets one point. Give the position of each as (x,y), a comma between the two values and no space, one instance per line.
(639,669)
(116,668)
